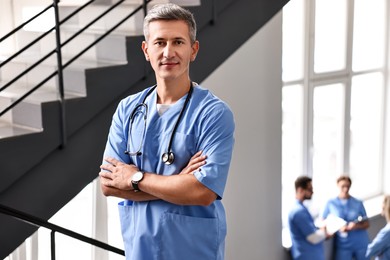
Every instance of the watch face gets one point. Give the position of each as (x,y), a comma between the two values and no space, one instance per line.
(137,176)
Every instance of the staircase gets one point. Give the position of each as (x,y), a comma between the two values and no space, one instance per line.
(39,173)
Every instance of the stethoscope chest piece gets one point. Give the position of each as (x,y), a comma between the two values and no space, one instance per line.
(168,158)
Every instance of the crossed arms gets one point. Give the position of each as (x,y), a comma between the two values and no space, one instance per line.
(182,188)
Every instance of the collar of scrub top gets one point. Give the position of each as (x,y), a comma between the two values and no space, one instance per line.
(167,157)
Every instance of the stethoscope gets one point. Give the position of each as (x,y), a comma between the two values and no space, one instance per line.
(167,157)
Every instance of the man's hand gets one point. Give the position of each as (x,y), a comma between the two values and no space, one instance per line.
(196,161)
(119,174)
(350,226)
(327,235)
(115,180)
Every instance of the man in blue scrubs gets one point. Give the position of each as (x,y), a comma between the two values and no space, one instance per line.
(307,239)
(169,150)
(352,239)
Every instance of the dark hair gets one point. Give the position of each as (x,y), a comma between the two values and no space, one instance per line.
(302,182)
(344,178)
(170,12)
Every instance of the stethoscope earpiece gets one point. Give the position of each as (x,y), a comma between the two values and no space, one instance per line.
(168,158)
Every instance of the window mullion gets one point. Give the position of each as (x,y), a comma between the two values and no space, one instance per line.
(385,149)
(99,220)
(308,87)
(347,100)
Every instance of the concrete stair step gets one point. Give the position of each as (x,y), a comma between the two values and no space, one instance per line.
(127,2)
(8,129)
(115,41)
(85,16)
(40,95)
(74,74)
(140,2)
(27,114)
(133,25)
(110,2)
(111,49)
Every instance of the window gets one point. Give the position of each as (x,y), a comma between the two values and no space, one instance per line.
(292,136)
(327,152)
(335,97)
(365,134)
(330,35)
(293,38)
(369,34)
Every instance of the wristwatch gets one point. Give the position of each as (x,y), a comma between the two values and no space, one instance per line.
(137,177)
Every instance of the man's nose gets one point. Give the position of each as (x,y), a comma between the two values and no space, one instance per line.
(169,51)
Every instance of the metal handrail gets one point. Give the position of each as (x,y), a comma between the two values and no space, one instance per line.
(25,23)
(33,220)
(60,45)
(58,51)
(13,212)
(61,88)
(42,35)
(21,215)
(37,86)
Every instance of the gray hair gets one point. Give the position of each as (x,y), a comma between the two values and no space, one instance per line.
(170,12)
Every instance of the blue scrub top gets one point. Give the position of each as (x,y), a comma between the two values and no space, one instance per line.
(351,211)
(159,229)
(380,246)
(301,225)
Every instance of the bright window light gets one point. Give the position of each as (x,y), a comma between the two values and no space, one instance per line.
(365,149)
(369,34)
(328,118)
(293,40)
(292,135)
(330,35)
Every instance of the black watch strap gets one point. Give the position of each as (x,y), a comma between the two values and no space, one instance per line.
(135,186)
(137,177)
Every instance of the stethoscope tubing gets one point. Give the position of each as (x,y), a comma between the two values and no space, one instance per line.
(167,157)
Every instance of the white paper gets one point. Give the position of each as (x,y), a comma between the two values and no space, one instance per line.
(334,223)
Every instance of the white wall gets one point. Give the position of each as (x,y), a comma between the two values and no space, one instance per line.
(250,82)
(6,25)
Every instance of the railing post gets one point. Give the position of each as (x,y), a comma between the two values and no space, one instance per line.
(214,7)
(145,7)
(53,245)
(60,74)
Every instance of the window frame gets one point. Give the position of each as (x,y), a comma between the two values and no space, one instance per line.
(311,80)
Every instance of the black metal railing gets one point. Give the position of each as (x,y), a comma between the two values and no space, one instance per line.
(33,220)
(57,50)
(58,71)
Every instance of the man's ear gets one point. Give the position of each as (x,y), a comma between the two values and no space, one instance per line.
(195,49)
(145,50)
